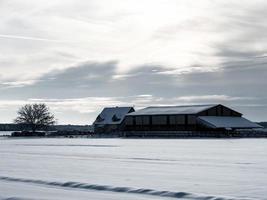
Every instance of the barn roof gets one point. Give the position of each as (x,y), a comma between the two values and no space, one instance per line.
(175,110)
(112,115)
(227,122)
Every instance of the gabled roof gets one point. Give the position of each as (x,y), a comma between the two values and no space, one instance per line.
(175,110)
(227,122)
(112,115)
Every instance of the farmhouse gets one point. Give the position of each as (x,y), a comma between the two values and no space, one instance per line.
(110,119)
(214,117)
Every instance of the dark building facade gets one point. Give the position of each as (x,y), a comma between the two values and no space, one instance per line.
(186,118)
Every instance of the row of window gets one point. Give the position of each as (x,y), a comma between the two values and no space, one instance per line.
(160,120)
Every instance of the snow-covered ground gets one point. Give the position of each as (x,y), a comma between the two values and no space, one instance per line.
(130,169)
(5,133)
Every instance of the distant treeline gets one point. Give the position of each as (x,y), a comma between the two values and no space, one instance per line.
(9,127)
(16,127)
(82,128)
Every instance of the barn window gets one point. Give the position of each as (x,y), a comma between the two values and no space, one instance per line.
(129,121)
(146,120)
(159,120)
(180,119)
(138,120)
(115,118)
(191,119)
(172,120)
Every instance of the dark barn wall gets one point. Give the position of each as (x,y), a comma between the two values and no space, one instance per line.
(220,110)
(107,128)
(160,123)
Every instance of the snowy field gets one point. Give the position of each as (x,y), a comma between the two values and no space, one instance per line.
(132,169)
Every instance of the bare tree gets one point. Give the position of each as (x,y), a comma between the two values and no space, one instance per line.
(36,116)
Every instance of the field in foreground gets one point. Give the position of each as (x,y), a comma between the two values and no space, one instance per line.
(130,169)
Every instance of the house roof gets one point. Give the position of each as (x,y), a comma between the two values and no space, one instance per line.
(112,115)
(227,122)
(168,110)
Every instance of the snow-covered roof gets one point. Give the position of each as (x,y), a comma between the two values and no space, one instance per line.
(227,122)
(112,115)
(175,110)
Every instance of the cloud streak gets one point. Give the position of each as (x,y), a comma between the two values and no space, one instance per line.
(28,38)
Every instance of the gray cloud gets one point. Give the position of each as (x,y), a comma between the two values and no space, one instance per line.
(147,85)
(200,52)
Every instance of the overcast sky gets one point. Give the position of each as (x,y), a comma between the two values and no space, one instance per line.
(79,56)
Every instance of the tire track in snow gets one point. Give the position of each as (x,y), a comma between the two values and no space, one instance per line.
(86,186)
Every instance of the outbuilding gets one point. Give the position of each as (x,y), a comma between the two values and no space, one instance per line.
(110,119)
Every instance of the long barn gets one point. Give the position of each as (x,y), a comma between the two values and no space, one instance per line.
(214,117)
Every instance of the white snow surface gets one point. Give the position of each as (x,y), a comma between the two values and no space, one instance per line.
(130,169)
